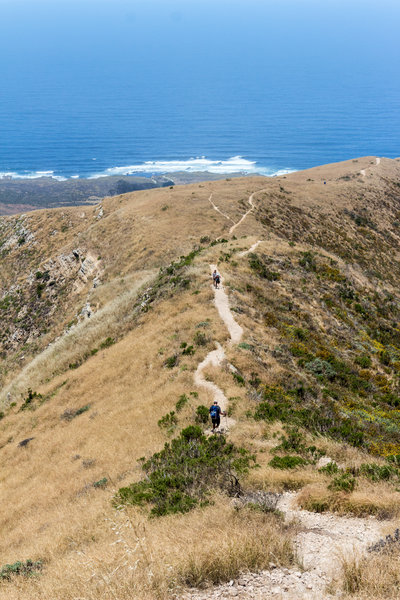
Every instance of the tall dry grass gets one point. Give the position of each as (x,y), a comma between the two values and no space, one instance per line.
(111,321)
(373,577)
(132,557)
(379,500)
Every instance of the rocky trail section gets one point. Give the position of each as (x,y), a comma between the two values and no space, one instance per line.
(322,541)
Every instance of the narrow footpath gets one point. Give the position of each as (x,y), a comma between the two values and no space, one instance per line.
(323,538)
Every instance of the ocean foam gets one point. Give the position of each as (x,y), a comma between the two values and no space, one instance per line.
(236,164)
(31,175)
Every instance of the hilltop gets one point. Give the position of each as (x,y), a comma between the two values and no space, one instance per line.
(107,313)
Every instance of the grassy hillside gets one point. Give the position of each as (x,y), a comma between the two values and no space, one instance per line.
(100,306)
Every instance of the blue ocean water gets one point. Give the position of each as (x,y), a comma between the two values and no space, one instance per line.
(103,87)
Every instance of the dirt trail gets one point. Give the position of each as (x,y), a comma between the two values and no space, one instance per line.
(253,247)
(216,357)
(323,539)
(377,162)
(215,207)
(232,229)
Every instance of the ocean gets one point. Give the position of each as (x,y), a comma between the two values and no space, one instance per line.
(96,88)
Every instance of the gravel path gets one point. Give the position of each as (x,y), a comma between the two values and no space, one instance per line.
(321,542)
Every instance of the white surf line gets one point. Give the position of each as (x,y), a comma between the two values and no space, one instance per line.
(218,210)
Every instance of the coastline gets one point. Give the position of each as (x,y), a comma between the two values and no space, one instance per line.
(26,194)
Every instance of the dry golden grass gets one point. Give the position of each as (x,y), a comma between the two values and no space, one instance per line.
(375,576)
(111,321)
(377,499)
(128,556)
(48,506)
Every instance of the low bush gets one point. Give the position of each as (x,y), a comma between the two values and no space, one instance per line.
(107,343)
(184,473)
(171,361)
(330,469)
(287,462)
(102,483)
(28,401)
(168,421)
(345,482)
(378,472)
(188,351)
(182,401)
(202,414)
(258,266)
(200,339)
(27,569)
(70,413)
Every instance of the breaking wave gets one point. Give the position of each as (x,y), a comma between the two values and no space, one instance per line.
(236,164)
(233,165)
(31,175)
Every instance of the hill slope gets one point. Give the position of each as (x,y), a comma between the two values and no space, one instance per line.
(107,312)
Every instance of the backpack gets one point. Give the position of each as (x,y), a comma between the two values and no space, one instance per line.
(214,412)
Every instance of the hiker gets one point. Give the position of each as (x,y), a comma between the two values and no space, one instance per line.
(215,414)
(216,279)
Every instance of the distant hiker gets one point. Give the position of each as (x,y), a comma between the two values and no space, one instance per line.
(215,414)
(216,279)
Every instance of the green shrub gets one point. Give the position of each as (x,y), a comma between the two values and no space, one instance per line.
(107,343)
(27,569)
(171,361)
(202,414)
(184,473)
(258,266)
(345,482)
(238,378)
(364,361)
(377,472)
(287,462)
(183,399)
(307,261)
(321,368)
(168,421)
(70,413)
(330,469)
(101,483)
(27,403)
(188,351)
(394,459)
(200,338)
(39,289)
(82,410)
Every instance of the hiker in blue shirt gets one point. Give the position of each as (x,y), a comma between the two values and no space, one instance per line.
(215,414)
(216,279)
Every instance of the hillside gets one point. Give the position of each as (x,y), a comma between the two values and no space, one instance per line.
(107,313)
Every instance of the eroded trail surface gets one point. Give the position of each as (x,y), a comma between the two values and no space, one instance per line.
(322,539)
(216,357)
(321,542)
